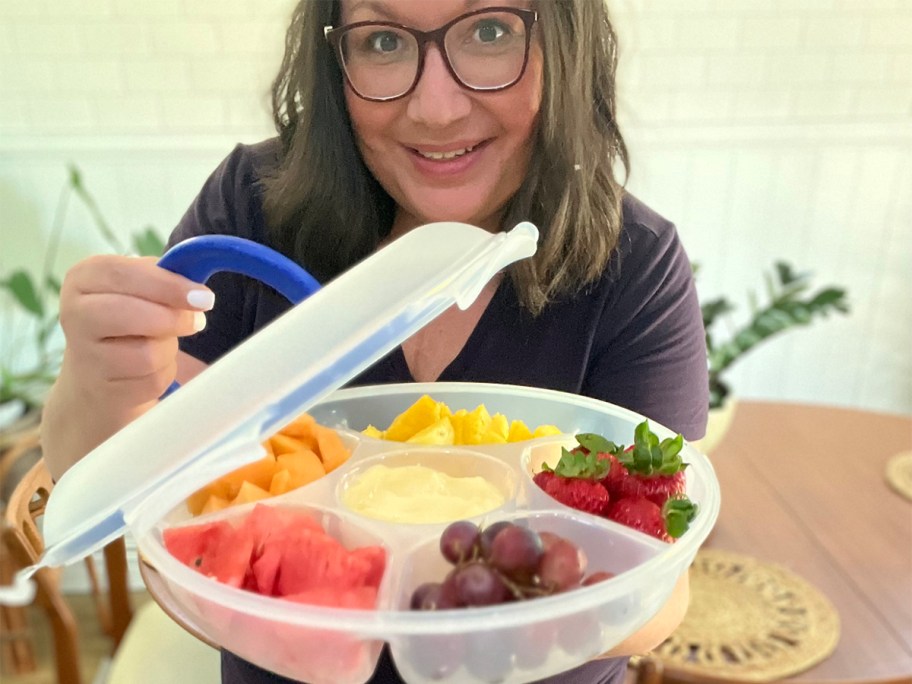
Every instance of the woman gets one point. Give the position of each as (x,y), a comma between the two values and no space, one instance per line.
(392,114)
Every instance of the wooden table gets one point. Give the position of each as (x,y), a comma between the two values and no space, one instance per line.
(803,486)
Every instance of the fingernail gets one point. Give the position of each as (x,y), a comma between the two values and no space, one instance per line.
(199,321)
(201,299)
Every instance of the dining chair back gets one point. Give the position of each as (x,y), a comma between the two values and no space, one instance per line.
(146,647)
(22,541)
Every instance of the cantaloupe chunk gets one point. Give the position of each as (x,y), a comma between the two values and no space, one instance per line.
(258,473)
(283,444)
(330,448)
(300,453)
(197,500)
(249,492)
(281,482)
(214,503)
(300,427)
(303,467)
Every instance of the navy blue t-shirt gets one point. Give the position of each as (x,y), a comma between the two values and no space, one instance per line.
(633,338)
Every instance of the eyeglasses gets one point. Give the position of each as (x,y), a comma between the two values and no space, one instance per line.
(484,50)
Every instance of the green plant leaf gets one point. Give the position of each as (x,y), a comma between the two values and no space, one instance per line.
(714,308)
(148,243)
(88,200)
(829,298)
(51,283)
(22,288)
(787,275)
(75,176)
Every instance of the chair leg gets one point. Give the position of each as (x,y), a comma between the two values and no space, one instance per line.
(63,627)
(18,652)
(115,555)
(102,607)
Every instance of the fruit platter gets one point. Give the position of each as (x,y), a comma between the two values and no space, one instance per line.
(486,533)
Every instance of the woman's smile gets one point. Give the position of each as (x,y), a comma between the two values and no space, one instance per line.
(447,161)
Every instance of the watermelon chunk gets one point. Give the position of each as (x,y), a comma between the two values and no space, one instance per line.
(283,553)
(214,549)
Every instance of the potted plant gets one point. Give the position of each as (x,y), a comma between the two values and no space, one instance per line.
(34,320)
(788,305)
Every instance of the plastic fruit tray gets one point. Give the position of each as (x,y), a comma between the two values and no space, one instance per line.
(514,642)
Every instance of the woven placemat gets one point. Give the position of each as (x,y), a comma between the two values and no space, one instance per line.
(899,473)
(751,621)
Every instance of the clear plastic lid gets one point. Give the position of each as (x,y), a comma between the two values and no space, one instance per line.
(216,422)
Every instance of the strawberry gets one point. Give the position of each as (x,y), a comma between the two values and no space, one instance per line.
(575,481)
(589,496)
(655,470)
(667,522)
(608,451)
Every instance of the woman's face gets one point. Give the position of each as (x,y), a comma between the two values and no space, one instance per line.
(444,152)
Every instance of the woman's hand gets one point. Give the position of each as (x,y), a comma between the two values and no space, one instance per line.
(121,317)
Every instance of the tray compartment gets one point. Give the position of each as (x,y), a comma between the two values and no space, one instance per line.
(296,640)
(528,640)
(455,462)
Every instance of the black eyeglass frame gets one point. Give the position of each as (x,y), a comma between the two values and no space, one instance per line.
(423,38)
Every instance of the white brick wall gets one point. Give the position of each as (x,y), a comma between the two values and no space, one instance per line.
(765,61)
(713,61)
(121,66)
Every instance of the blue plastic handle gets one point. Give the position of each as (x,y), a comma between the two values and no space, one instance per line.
(199,258)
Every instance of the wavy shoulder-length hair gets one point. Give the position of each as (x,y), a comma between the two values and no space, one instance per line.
(326,210)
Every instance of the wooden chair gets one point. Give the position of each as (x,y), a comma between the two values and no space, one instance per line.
(650,670)
(147,646)
(23,545)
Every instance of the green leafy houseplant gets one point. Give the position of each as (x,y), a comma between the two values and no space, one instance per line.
(35,294)
(788,305)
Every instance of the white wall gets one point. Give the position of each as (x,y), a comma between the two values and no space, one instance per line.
(765,129)
(782,129)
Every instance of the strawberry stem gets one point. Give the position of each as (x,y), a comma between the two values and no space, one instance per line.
(678,513)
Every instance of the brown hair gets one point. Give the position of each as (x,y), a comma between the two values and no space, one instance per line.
(327,211)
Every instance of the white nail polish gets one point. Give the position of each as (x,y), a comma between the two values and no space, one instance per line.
(199,321)
(201,299)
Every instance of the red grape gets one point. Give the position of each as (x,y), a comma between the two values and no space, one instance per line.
(488,534)
(561,566)
(436,596)
(516,551)
(502,562)
(477,584)
(458,541)
(548,538)
(422,594)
